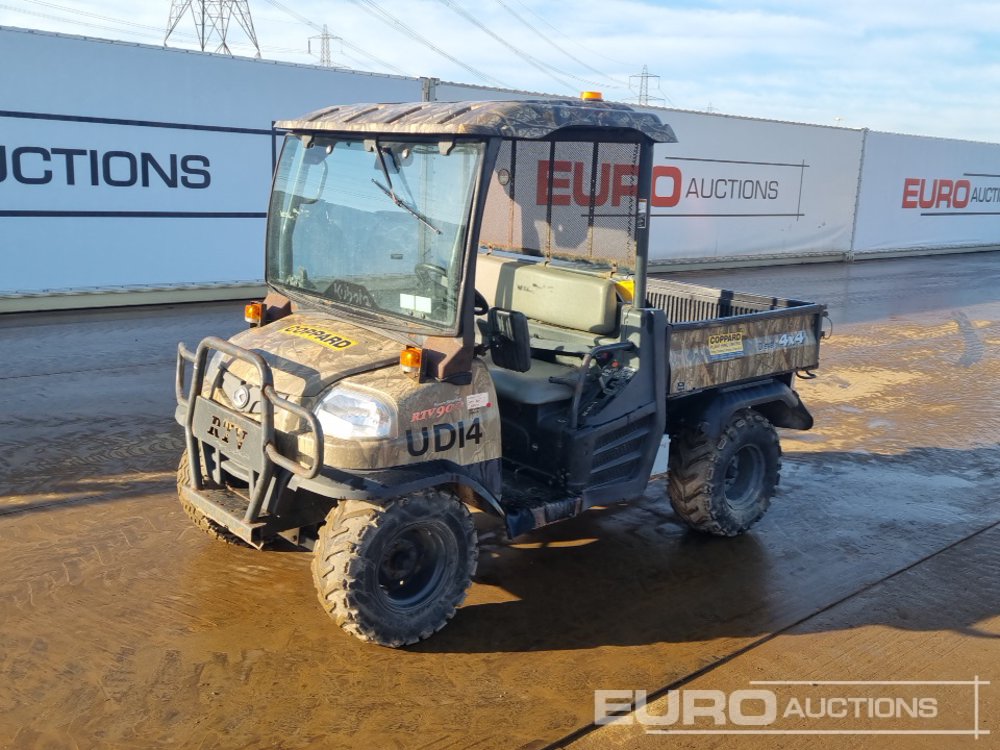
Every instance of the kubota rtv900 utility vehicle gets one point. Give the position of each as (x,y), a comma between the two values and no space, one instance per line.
(459,314)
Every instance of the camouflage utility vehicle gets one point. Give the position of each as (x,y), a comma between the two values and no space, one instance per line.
(459,314)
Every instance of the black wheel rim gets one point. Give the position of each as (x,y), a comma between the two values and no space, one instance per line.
(744,476)
(412,567)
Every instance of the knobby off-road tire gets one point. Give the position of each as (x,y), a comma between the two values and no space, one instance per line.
(394,574)
(723,487)
(210,527)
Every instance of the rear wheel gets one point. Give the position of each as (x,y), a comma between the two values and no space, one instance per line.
(724,486)
(394,574)
(210,527)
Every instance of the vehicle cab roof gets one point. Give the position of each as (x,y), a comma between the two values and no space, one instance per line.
(531,120)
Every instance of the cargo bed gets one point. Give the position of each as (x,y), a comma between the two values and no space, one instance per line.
(718,337)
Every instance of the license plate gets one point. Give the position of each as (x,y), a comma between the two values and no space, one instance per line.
(236,436)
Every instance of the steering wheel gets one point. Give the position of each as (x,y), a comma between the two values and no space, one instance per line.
(479,304)
(430,274)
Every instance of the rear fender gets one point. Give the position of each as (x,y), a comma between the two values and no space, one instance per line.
(773,399)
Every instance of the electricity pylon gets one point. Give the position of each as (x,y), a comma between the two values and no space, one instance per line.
(211,21)
(642,97)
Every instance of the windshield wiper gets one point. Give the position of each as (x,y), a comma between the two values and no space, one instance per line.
(403,205)
(396,199)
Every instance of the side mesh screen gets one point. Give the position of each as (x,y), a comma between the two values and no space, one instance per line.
(564,199)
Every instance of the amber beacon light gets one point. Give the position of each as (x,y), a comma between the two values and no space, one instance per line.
(253,313)
(409,360)
(592,96)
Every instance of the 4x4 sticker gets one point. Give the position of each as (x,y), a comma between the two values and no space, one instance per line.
(784,341)
(318,335)
(446,436)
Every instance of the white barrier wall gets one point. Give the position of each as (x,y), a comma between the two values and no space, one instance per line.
(734,187)
(123,166)
(928,192)
(129,165)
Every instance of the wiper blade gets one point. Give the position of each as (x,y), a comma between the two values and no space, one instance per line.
(405,206)
(392,193)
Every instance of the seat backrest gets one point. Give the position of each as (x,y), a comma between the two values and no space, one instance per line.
(549,295)
(510,342)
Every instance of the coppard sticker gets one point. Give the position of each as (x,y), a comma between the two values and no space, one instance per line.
(322,336)
(725,344)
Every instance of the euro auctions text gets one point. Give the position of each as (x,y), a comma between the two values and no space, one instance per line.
(883,707)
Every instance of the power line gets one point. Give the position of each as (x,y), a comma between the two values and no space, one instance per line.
(316,27)
(98,16)
(134,28)
(548,40)
(374,9)
(564,35)
(63,19)
(297,16)
(530,59)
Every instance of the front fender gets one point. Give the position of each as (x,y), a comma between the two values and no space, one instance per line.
(482,479)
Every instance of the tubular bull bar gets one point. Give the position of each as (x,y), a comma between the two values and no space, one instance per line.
(239,442)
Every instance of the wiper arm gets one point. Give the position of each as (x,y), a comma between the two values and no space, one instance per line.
(406,207)
(402,204)
(392,193)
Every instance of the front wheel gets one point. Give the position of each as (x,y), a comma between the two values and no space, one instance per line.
(394,574)
(723,487)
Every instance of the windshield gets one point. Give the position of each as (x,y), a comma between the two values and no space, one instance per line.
(372,225)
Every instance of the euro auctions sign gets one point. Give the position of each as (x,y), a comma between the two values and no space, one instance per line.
(725,188)
(947,193)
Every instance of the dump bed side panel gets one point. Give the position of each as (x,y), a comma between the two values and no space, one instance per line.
(719,337)
(746,347)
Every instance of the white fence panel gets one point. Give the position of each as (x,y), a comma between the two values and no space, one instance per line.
(928,192)
(733,187)
(127,165)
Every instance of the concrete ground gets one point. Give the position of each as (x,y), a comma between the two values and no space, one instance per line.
(124,626)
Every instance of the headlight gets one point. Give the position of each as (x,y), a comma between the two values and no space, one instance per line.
(350,413)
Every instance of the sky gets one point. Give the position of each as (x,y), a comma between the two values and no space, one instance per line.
(915,66)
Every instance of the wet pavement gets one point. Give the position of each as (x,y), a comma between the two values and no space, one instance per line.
(124,626)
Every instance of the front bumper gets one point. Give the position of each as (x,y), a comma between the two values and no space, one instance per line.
(224,441)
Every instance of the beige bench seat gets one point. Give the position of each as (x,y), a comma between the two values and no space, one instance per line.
(533,386)
(568,313)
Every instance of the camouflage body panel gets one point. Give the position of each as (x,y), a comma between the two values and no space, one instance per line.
(435,421)
(746,347)
(309,351)
(531,120)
